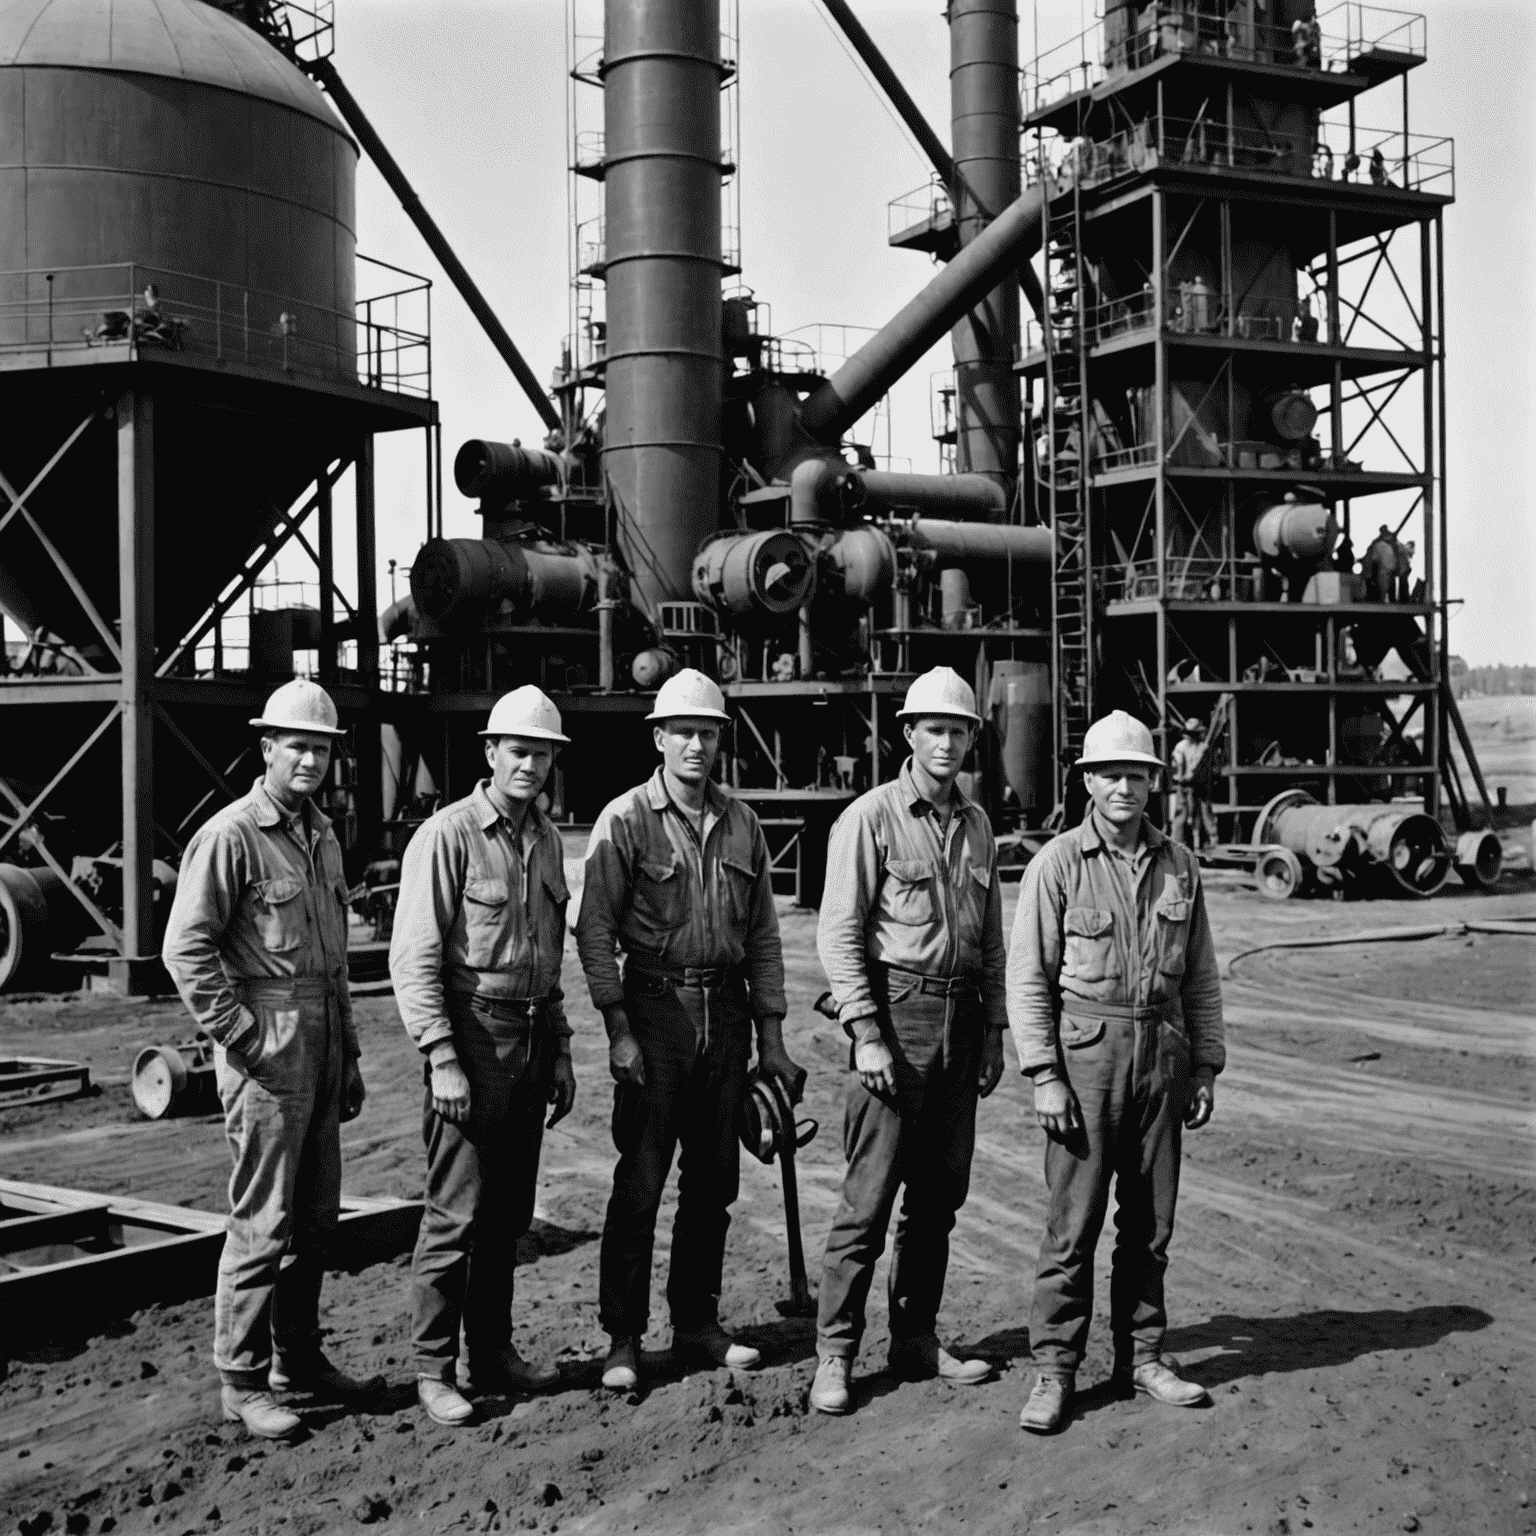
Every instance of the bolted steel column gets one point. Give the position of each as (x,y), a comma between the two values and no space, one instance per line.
(136,610)
(665,373)
(984,136)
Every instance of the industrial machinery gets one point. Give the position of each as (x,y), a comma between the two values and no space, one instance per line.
(1149,504)
(1245,347)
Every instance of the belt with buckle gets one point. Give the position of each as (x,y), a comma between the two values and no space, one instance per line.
(938,986)
(509,1008)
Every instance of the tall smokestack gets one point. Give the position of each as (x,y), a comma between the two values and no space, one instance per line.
(984,135)
(661,116)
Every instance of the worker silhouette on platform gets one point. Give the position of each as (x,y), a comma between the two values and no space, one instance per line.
(1194,822)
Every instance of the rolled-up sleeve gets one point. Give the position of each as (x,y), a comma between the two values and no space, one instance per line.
(603,898)
(853,878)
(1034,965)
(207,894)
(763,950)
(1201,992)
(431,876)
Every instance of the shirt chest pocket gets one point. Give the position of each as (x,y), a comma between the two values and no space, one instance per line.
(1088,950)
(1172,935)
(485,919)
(279,914)
(658,895)
(907,895)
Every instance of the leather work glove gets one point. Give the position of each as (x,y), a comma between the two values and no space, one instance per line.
(450,1091)
(1202,1099)
(1056,1108)
(626,1061)
(562,1089)
(876,1067)
(353,1091)
(991,1061)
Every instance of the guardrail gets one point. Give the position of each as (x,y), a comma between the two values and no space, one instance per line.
(384,343)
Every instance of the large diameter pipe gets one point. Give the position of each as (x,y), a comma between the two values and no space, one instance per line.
(1342,840)
(943,163)
(455,581)
(984,117)
(740,573)
(665,372)
(324,71)
(504,471)
(979,543)
(1009,240)
(828,491)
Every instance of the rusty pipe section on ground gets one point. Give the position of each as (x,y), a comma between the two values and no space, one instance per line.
(1349,842)
(1010,239)
(458,583)
(662,267)
(984,135)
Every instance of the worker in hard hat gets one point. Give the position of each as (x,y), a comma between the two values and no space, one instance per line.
(1194,822)
(678,882)
(1115,1006)
(257,945)
(475,959)
(911,939)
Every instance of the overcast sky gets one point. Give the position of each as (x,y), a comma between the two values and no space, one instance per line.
(470,97)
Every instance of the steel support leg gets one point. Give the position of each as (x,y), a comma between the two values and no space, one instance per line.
(369,793)
(136,607)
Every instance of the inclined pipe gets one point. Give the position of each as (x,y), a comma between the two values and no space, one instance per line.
(665,371)
(1010,239)
(943,162)
(984,117)
(324,71)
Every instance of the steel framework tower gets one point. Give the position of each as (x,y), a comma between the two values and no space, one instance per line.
(1245,342)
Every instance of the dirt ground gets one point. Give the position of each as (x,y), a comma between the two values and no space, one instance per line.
(1352,1277)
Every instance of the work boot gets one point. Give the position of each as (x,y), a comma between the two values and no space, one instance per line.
(444,1403)
(925,1358)
(1160,1379)
(713,1344)
(318,1378)
(621,1370)
(507,1371)
(257,1411)
(831,1391)
(1047,1404)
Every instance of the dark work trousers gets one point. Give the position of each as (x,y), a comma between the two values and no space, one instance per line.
(922,1137)
(694,1081)
(1131,1078)
(480,1187)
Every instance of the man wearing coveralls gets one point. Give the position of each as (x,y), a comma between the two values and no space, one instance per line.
(911,938)
(678,882)
(475,959)
(1115,1005)
(257,946)
(1194,822)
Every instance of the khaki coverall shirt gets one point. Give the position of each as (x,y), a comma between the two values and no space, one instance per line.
(481,913)
(1097,929)
(900,893)
(261,897)
(671,898)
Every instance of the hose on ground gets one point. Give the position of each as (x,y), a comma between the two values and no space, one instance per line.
(1515,925)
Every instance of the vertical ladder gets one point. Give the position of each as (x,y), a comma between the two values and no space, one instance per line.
(1068,427)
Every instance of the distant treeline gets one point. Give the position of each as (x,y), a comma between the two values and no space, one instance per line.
(1467,682)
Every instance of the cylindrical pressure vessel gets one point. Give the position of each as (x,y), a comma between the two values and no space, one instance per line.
(770,572)
(1294,532)
(1020,705)
(455,581)
(866,560)
(662,266)
(503,471)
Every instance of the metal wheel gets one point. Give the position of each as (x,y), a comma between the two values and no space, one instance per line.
(1279,873)
(159,1078)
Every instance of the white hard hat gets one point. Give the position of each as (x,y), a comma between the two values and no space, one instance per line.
(1118,738)
(526,711)
(940,691)
(692,694)
(300,706)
